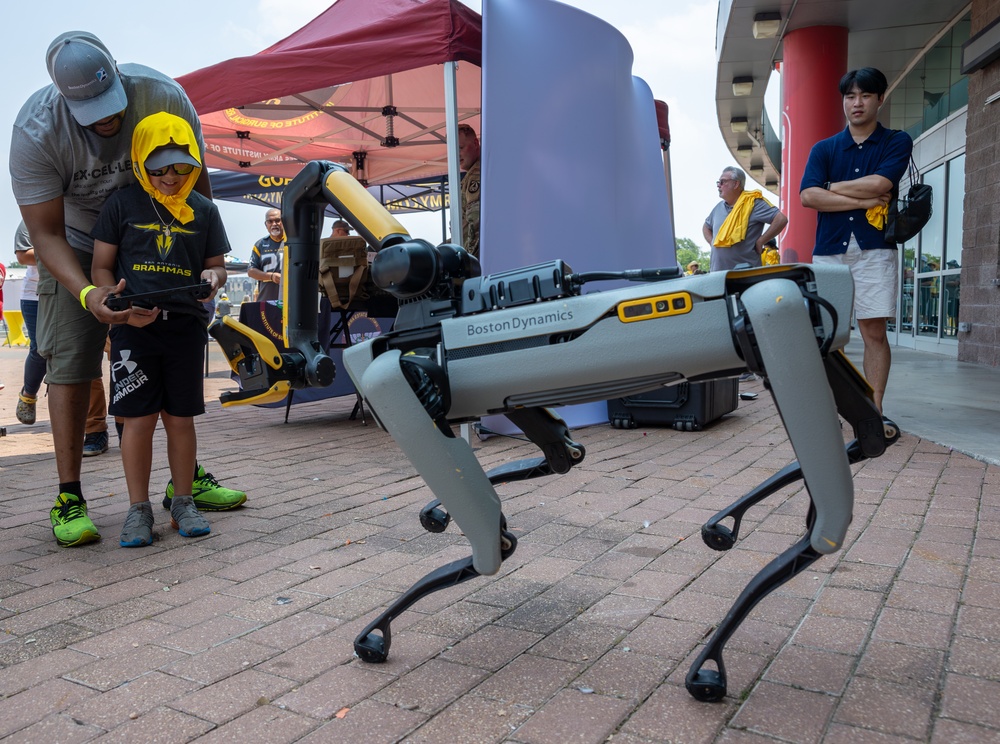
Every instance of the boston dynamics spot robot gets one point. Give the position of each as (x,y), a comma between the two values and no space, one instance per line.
(518,342)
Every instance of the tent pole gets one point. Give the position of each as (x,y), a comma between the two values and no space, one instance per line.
(455,202)
(451,130)
(444,212)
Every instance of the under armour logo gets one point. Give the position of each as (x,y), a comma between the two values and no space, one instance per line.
(126,364)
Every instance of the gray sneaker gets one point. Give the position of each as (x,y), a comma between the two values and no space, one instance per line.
(138,528)
(185,517)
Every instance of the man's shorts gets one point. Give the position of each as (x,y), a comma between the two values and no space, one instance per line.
(876,279)
(159,367)
(70,339)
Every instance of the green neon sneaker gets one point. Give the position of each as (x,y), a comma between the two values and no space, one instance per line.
(70,523)
(208,494)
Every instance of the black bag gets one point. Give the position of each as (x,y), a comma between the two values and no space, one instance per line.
(908,215)
(685,406)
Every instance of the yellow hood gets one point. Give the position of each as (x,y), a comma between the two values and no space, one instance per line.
(155,131)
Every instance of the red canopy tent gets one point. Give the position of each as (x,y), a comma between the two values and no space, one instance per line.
(362,84)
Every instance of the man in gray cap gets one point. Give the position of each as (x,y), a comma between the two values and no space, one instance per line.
(341,229)
(70,149)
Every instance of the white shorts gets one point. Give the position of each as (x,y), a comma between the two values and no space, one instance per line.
(876,278)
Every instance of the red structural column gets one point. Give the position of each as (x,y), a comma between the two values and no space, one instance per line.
(815,59)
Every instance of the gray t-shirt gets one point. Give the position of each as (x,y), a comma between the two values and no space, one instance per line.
(51,155)
(745,251)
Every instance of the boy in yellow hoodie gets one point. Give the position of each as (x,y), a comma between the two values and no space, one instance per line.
(159,234)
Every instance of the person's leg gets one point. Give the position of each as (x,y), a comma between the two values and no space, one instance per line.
(181,452)
(137,461)
(186,397)
(68,414)
(137,455)
(34,365)
(877,356)
(97,411)
(182,448)
(875,283)
(135,401)
(70,340)
(95,440)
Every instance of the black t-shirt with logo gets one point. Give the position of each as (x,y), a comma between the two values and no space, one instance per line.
(155,251)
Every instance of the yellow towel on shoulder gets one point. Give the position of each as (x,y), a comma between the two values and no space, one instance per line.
(876,216)
(734,228)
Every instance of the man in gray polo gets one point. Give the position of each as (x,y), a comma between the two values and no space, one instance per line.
(735,228)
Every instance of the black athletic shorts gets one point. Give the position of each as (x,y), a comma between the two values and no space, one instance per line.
(159,367)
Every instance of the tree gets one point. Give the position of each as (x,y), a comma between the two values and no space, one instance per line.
(688,251)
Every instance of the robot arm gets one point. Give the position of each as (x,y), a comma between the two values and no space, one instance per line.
(265,374)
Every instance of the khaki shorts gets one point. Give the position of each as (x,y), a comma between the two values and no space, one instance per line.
(70,339)
(876,278)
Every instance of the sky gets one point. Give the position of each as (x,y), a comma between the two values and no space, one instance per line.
(673,44)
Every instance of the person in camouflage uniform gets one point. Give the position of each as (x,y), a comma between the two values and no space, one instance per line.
(468,157)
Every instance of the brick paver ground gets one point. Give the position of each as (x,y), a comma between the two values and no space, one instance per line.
(584,635)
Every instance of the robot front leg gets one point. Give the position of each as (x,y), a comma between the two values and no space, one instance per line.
(451,470)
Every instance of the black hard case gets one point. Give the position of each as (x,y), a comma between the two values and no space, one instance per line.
(686,407)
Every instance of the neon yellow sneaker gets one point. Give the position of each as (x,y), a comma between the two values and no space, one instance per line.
(208,494)
(70,523)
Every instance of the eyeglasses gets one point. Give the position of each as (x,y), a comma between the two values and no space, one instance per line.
(181,169)
(724,180)
(276,221)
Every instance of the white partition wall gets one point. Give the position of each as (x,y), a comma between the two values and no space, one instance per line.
(571,159)
(571,162)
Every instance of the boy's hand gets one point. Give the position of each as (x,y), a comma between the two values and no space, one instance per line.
(141,316)
(208,275)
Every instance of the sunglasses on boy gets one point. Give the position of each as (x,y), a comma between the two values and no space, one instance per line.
(181,169)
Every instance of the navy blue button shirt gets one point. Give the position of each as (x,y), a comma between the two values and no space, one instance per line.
(886,153)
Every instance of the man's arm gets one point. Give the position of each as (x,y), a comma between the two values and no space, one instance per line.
(26,257)
(102,270)
(823,200)
(865,187)
(778,223)
(47,229)
(706,231)
(264,276)
(255,272)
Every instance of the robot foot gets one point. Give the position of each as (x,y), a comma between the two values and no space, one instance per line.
(708,685)
(372,644)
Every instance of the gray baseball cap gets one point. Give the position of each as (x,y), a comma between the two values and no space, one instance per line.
(166,155)
(85,74)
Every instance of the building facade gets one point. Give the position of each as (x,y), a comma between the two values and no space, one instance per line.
(942,60)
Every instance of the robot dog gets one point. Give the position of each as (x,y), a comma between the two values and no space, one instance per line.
(518,342)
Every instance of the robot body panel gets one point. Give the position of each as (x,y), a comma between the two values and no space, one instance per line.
(580,364)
